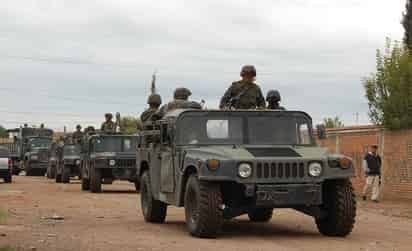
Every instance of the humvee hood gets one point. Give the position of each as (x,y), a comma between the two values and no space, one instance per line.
(253,152)
(220,152)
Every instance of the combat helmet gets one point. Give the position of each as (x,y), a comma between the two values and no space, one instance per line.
(154,99)
(182,93)
(273,96)
(108,115)
(248,69)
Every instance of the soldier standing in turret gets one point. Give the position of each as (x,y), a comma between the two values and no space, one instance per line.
(273,99)
(108,126)
(244,94)
(77,135)
(154,101)
(180,101)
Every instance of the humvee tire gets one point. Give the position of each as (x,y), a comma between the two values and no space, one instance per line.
(95,180)
(260,214)
(137,185)
(8,178)
(58,178)
(202,200)
(153,210)
(53,172)
(340,204)
(66,175)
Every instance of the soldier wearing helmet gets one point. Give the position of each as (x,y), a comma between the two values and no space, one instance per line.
(77,135)
(108,126)
(180,101)
(273,99)
(244,94)
(154,101)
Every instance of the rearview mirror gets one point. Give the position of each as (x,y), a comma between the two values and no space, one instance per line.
(321,131)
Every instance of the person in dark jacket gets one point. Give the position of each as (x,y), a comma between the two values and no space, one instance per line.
(372,165)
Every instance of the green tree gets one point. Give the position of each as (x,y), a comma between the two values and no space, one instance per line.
(130,125)
(335,122)
(407,25)
(3,132)
(389,89)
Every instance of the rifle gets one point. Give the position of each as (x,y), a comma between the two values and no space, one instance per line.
(118,123)
(153,84)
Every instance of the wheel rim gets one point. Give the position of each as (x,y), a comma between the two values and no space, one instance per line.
(191,205)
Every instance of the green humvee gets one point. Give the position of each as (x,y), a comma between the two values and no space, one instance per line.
(68,164)
(221,164)
(106,158)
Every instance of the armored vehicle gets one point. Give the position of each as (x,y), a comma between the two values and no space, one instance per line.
(5,165)
(108,157)
(36,157)
(51,168)
(28,151)
(222,164)
(68,164)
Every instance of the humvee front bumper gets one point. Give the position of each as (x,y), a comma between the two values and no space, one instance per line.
(38,165)
(287,195)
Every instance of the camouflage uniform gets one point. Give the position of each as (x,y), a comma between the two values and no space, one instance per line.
(154,101)
(108,127)
(77,137)
(243,95)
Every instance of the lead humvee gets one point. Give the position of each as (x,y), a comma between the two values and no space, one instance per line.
(221,164)
(108,157)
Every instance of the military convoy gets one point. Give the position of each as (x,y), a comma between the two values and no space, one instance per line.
(106,158)
(221,164)
(68,163)
(5,167)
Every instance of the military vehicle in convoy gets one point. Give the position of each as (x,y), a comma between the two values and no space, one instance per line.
(51,168)
(106,158)
(222,164)
(29,149)
(68,163)
(5,165)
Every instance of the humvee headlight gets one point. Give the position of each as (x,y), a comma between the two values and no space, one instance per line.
(315,169)
(213,164)
(245,170)
(112,162)
(34,157)
(345,163)
(77,162)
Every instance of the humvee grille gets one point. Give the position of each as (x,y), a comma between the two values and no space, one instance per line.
(286,170)
(273,152)
(126,163)
(43,156)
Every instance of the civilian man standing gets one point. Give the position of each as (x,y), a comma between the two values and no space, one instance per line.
(372,166)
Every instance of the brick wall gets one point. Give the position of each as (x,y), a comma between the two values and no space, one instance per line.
(395,148)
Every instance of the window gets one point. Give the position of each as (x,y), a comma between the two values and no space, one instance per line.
(217,129)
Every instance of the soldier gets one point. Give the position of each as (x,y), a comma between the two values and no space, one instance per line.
(154,101)
(108,126)
(77,135)
(273,99)
(244,94)
(180,101)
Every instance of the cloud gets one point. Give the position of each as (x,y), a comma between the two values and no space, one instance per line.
(70,60)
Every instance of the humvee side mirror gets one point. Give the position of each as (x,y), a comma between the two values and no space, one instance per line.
(321,131)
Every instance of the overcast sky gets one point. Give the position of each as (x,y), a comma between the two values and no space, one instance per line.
(64,62)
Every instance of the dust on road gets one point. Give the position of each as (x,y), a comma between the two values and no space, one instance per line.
(38,214)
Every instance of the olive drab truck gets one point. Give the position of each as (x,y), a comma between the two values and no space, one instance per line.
(222,164)
(29,150)
(68,163)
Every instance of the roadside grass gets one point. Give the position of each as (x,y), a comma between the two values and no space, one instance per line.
(7,249)
(3,218)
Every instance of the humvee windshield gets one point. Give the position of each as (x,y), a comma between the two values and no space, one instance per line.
(115,144)
(282,129)
(71,150)
(40,142)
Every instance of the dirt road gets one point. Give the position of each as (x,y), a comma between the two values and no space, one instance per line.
(113,221)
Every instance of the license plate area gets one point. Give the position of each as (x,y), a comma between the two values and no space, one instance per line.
(289,195)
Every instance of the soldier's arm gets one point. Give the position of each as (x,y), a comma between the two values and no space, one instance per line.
(224,101)
(260,102)
(102,127)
